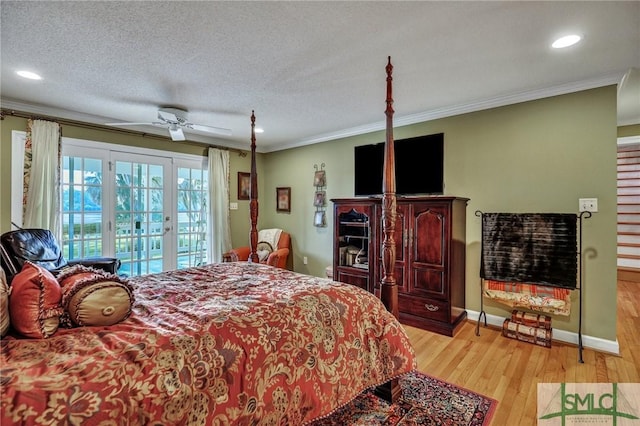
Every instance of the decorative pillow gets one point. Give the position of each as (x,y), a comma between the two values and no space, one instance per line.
(263,250)
(4,304)
(94,297)
(34,304)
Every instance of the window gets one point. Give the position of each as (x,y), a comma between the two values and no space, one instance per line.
(140,205)
(82,212)
(192,216)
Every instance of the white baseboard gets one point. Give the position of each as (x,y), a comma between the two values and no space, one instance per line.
(596,343)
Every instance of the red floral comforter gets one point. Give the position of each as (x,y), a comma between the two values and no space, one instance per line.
(222,344)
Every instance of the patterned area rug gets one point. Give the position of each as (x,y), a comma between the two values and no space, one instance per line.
(425,400)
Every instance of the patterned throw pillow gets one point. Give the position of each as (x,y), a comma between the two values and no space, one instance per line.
(94,297)
(4,304)
(34,304)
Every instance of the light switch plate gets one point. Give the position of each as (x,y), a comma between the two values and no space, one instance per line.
(588,205)
(233,206)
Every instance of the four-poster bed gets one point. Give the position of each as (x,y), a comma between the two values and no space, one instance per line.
(228,343)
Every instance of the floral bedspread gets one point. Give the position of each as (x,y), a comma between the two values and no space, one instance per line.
(222,344)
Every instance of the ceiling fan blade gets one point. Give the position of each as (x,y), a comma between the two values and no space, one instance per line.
(209,129)
(176,133)
(169,117)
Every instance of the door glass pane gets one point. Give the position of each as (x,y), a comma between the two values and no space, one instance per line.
(81,185)
(139,220)
(191,225)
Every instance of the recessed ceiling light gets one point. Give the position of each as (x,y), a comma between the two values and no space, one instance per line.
(566,41)
(259,130)
(30,75)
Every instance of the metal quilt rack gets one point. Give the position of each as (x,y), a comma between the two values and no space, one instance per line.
(579,286)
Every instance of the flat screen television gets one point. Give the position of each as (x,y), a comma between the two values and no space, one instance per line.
(419,166)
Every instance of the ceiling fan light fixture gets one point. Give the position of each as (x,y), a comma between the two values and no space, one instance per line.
(566,41)
(176,132)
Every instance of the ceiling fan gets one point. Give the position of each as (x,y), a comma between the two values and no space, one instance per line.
(175,119)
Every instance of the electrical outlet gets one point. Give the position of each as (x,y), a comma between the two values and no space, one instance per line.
(588,205)
(305,260)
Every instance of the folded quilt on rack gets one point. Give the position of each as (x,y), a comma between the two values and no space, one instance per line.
(552,300)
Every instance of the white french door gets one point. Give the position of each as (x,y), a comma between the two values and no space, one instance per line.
(147,207)
(143,218)
(140,205)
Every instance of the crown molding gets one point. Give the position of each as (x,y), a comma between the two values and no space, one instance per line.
(65,114)
(479,105)
(449,111)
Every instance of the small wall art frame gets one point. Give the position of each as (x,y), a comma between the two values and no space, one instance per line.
(244,185)
(319,219)
(283,199)
(320,199)
(319,178)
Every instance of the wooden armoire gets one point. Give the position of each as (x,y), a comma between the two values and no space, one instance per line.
(430,244)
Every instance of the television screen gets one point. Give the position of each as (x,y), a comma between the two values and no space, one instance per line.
(419,166)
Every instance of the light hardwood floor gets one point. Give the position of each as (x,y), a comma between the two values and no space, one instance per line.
(509,371)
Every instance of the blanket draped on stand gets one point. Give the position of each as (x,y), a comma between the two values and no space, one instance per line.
(271,236)
(534,248)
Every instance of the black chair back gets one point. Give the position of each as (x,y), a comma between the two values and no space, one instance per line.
(37,246)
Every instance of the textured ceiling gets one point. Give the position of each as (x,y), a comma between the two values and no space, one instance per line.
(312,71)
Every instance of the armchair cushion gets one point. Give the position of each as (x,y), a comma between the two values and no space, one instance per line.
(40,247)
(263,250)
(276,257)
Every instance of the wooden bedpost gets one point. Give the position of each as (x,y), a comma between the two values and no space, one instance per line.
(253,196)
(390,391)
(388,285)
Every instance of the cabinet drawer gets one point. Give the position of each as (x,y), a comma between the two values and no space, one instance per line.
(424,307)
(351,276)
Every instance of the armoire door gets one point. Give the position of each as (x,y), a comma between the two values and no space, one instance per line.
(429,250)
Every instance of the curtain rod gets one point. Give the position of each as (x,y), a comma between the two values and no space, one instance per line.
(63,121)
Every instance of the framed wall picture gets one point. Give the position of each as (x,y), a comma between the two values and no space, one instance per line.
(283,199)
(319,219)
(319,199)
(319,178)
(244,185)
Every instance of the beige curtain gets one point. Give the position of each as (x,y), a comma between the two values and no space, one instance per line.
(219,226)
(41,195)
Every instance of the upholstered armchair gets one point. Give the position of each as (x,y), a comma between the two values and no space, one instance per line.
(273,249)
(39,246)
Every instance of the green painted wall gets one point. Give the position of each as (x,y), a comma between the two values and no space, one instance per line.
(534,157)
(538,156)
